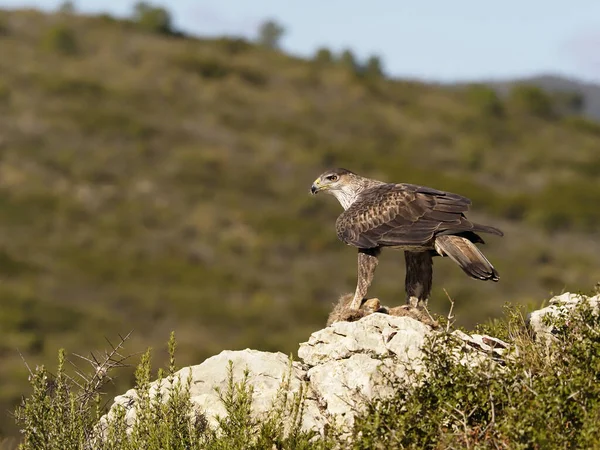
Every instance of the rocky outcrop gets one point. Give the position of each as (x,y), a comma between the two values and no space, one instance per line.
(339,369)
(349,363)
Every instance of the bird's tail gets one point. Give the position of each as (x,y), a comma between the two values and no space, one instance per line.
(466,254)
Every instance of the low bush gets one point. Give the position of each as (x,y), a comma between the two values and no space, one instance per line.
(61,39)
(64,411)
(539,395)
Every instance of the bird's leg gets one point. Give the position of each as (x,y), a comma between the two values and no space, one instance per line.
(367,263)
(419,275)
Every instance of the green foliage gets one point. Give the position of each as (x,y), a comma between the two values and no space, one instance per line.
(537,397)
(61,39)
(582,124)
(485,100)
(373,68)
(348,60)
(64,414)
(564,206)
(4,93)
(569,103)
(323,56)
(4,31)
(51,417)
(153,19)
(234,45)
(270,34)
(210,68)
(532,100)
(67,7)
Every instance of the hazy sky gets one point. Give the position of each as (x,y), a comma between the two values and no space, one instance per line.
(441,40)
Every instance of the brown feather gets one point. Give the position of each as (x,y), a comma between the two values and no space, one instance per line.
(464,253)
(404,215)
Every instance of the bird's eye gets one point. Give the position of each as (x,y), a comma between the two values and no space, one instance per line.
(332,177)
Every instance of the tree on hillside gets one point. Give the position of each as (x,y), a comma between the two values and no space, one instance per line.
(347,59)
(373,67)
(531,100)
(323,56)
(270,34)
(570,102)
(67,7)
(152,18)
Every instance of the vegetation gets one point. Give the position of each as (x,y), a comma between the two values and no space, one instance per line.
(270,34)
(373,67)
(59,415)
(536,396)
(150,184)
(152,18)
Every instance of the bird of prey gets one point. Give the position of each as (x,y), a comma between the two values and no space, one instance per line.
(422,221)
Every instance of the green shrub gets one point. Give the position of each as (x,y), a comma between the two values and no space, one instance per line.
(61,39)
(323,56)
(206,67)
(4,93)
(67,7)
(569,102)
(537,397)
(63,413)
(151,18)
(583,124)
(562,206)
(532,100)
(348,60)
(234,45)
(373,68)
(3,26)
(270,34)
(485,100)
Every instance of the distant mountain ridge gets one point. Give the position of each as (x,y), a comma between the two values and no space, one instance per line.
(556,83)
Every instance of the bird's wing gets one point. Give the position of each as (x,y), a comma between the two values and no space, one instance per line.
(403,214)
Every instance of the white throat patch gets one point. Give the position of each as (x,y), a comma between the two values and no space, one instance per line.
(346,196)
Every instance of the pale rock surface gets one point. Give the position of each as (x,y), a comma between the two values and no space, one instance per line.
(266,372)
(558,306)
(349,363)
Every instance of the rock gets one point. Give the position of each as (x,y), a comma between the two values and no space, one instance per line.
(349,363)
(266,371)
(340,368)
(559,306)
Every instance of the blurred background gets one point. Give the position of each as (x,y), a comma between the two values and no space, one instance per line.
(155,163)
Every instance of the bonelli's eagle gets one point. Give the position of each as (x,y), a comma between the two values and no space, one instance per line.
(422,221)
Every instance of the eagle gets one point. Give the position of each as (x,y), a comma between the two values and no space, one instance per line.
(422,221)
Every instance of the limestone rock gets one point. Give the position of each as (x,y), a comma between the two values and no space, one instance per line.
(266,373)
(350,362)
(340,368)
(559,306)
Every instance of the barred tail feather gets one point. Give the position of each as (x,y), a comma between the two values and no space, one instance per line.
(466,254)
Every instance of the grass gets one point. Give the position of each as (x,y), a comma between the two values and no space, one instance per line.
(154,182)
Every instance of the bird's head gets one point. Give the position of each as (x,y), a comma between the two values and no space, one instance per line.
(332,181)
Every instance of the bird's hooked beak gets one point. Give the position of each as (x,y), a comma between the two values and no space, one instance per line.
(316,186)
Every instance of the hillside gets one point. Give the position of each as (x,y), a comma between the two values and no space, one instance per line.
(552,83)
(160,183)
